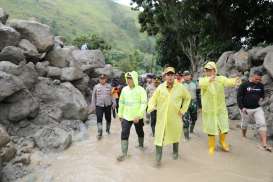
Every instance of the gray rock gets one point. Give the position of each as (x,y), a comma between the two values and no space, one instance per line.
(234,113)
(242,60)
(9,68)
(59,41)
(64,96)
(22,105)
(9,85)
(256,59)
(87,59)
(30,51)
(83,85)
(54,72)
(71,74)
(12,54)
(3,16)
(24,128)
(60,57)
(52,139)
(23,159)
(263,52)
(42,68)
(28,74)
(117,73)
(8,36)
(38,34)
(268,63)
(4,137)
(225,63)
(8,152)
(107,70)
(12,172)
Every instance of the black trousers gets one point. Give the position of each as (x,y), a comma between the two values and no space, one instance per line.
(153,121)
(107,114)
(126,127)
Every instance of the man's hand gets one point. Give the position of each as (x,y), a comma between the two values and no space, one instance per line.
(114,106)
(238,81)
(212,78)
(136,120)
(244,110)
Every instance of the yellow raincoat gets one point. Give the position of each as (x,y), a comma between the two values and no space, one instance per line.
(168,104)
(214,110)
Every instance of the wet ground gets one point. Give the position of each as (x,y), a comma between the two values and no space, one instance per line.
(95,161)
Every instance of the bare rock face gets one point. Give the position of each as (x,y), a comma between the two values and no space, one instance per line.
(268,63)
(60,57)
(8,36)
(53,139)
(37,33)
(87,59)
(64,96)
(12,54)
(9,85)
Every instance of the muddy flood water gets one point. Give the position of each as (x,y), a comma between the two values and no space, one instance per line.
(90,160)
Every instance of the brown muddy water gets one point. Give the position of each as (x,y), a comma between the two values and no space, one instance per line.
(90,160)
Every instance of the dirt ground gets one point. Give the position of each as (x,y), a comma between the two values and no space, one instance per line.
(95,161)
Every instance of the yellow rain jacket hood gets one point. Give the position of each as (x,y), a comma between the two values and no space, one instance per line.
(214,110)
(168,104)
(133,101)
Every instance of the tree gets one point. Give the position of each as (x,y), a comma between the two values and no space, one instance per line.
(195,27)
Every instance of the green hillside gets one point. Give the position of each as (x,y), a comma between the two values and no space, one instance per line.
(117,24)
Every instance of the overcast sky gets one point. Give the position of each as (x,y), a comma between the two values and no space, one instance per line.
(125,2)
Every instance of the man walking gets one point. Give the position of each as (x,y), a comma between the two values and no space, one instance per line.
(102,102)
(171,100)
(190,116)
(214,110)
(249,94)
(132,106)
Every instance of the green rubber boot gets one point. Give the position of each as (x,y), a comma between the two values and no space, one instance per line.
(141,143)
(124,149)
(175,151)
(158,156)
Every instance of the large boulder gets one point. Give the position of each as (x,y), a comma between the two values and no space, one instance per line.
(21,105)
(42,68)
(64,96)
(256,59)
(71,74)
(3,16)
(54,72)
(52,139)
(87,59)
(9,67)
(242,60)
(30,51)
(59,41)
(9,85)
(268,63)
(107,70)
(225,63)
(12,54)
(60,57)
(37,33)
(8,36)
(260,54)
(83,85)
(24,72)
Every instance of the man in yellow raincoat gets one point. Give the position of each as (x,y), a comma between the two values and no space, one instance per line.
(171,99)
(214,110)
(132,106)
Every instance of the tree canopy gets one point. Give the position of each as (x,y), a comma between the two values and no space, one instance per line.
(191,30)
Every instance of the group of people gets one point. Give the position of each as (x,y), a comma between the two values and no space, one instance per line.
(172,102)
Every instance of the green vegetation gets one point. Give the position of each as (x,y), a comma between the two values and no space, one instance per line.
(192,30)
(92,20)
